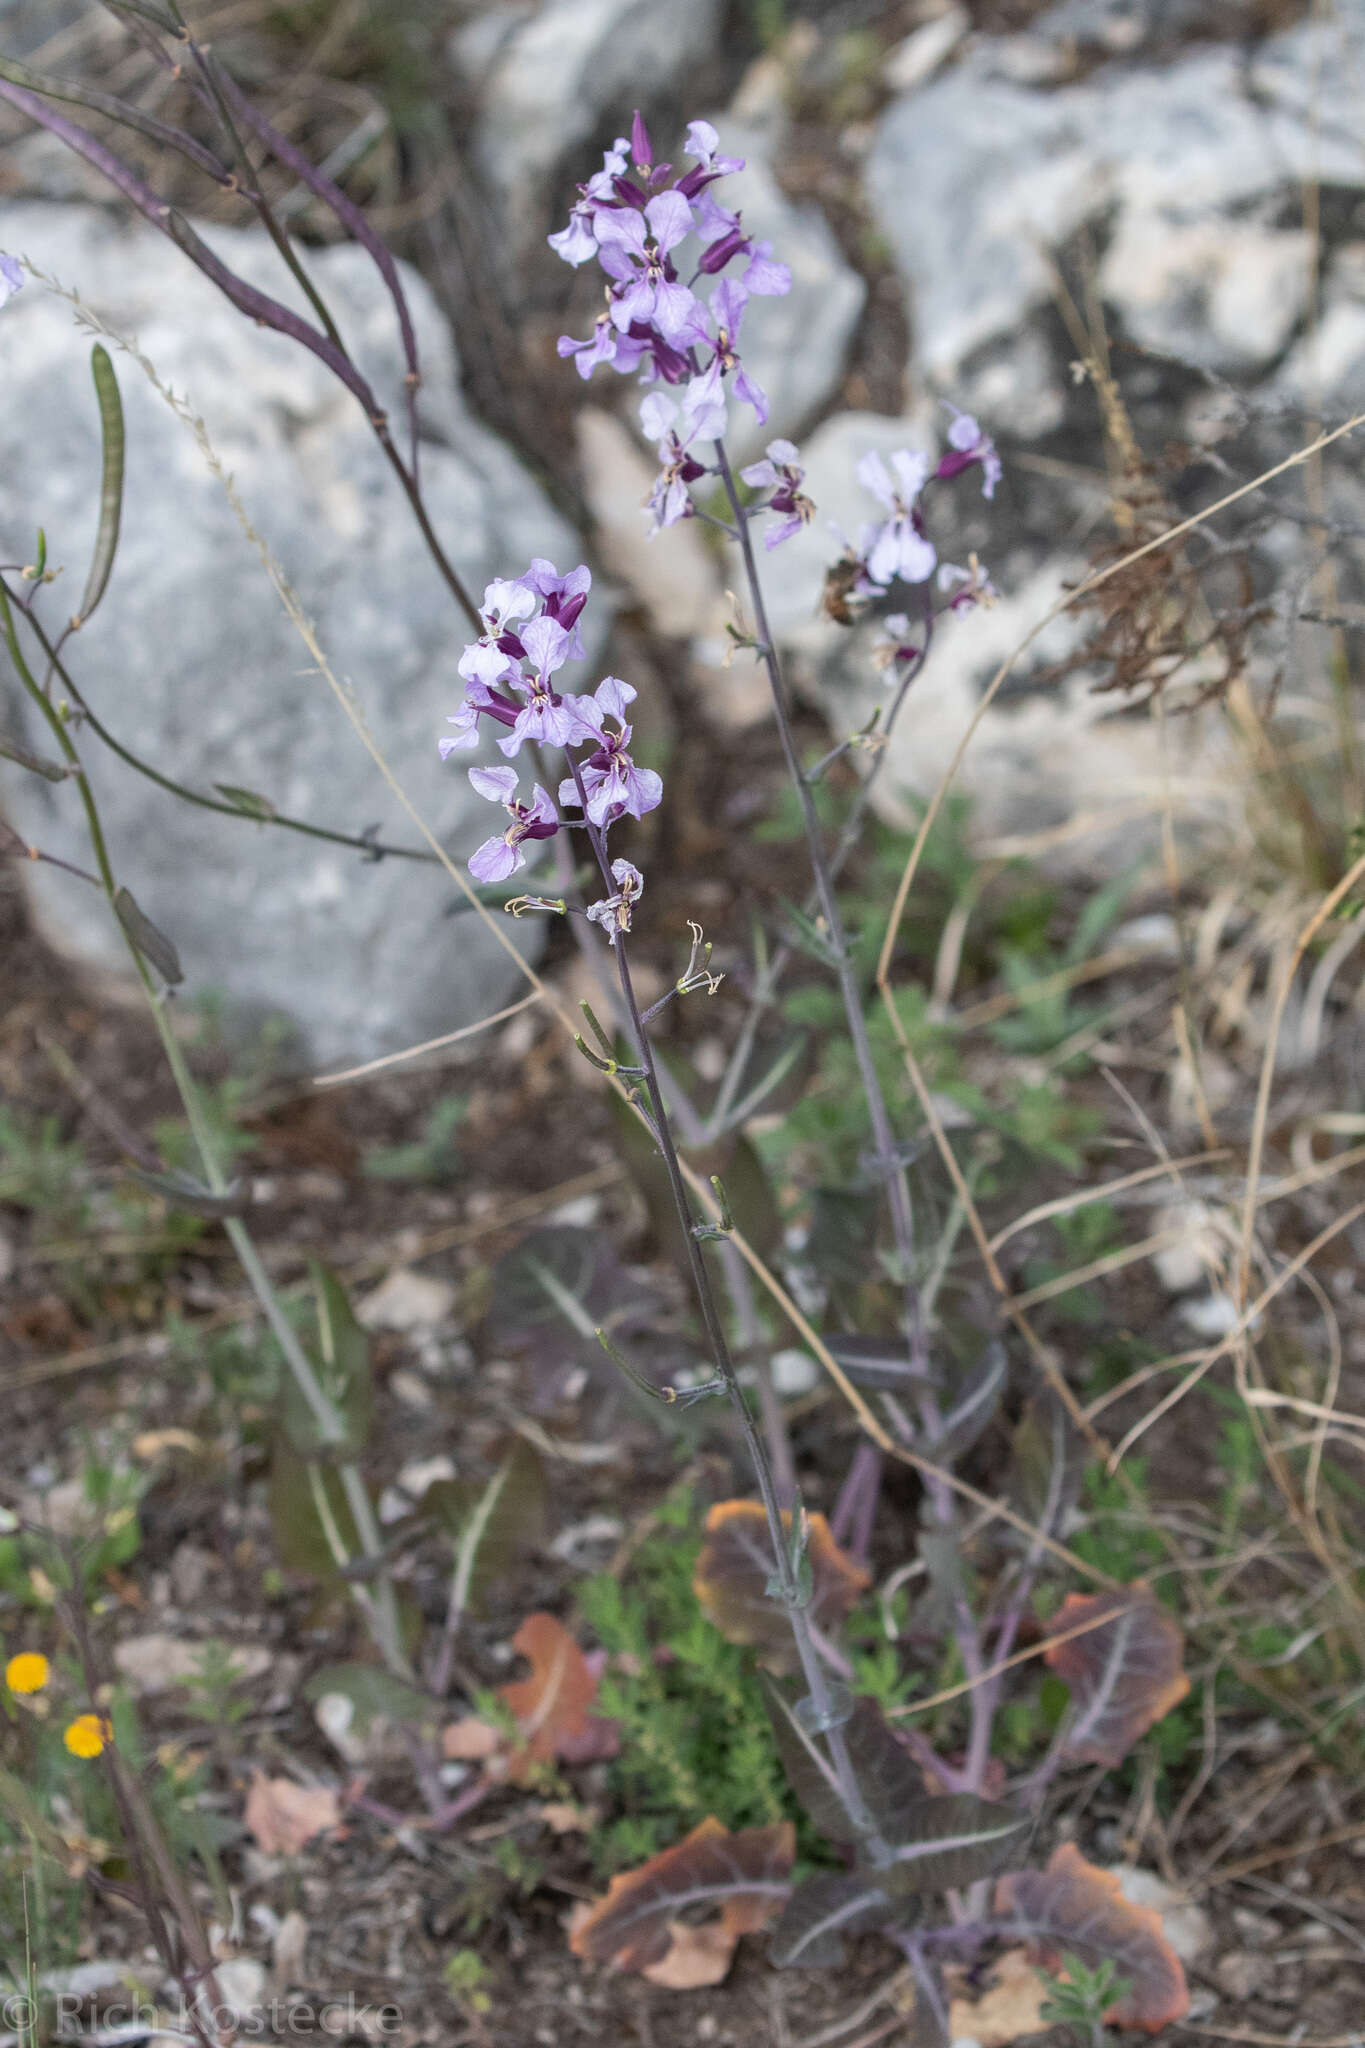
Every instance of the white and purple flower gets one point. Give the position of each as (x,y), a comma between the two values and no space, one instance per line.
(613,786)
(613,913)
(502,855)
(11,277)
(899,546)
(780,472)
(968,444)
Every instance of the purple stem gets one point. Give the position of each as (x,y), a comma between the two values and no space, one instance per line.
(351,218)
(856,1508)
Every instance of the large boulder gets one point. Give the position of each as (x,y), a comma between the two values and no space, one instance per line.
(1190,170)
(191,661)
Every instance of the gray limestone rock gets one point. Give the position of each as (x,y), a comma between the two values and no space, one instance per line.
(1185,166)
(192,663)
(794,346)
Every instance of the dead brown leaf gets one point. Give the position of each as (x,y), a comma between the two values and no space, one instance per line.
(283,1816)
(735,1567)
(634,1927)
(470,1740)
(552,1705)
(1010,2007)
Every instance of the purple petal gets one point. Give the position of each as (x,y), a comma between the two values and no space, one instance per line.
(872,475)
(547,644)
(670,216)
(499,785)
(495,860)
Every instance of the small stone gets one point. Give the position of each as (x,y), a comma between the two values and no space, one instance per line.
(794,1372)
(405,1300)
(1241,1975)
(1187,1927)
(191,1566)
(1188,1263)
(421,1473)
(241,1984)
(411,1390)
(1212,1317)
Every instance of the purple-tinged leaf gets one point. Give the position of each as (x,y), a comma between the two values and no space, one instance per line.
(820,1913)
(1124,1671)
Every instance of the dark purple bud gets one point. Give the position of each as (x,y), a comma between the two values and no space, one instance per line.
(954,462)
(541,830)
(566,609)
(696,180)
(641,149)
(718,255)
(501,708)
(628,192)
(670,362)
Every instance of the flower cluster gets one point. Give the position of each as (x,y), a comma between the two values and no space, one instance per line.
(530,630)
(898,548)
(633,216)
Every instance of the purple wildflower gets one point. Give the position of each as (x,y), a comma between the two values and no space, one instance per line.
(781,473)
(634,251)
(563,597)
(613,913)
(653,322)
(499,857)
(970,586)
(765,278)
(893,645)
(703,143)
(546,715)
(969,445)
(669,500)
(614,787)
(900,546)
(578,241)
(11,277)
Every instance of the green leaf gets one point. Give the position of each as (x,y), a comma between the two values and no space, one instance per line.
(111,481)
(247,801)
(150,942)
(184,1191)
(301,1543)
(341,1356)
(492,1523)
(373,1693)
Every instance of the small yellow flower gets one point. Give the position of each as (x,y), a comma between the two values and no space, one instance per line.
(88,1735)
(28,1672)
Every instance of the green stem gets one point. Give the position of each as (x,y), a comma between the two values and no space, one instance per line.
(330,1424)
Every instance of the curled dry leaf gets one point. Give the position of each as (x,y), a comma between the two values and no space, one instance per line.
(470,1740)
(1124,1672)
(1009,2009)
(637,1926)
(1073,1908)
(552,1705)
(282,1816)
(736,1565)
